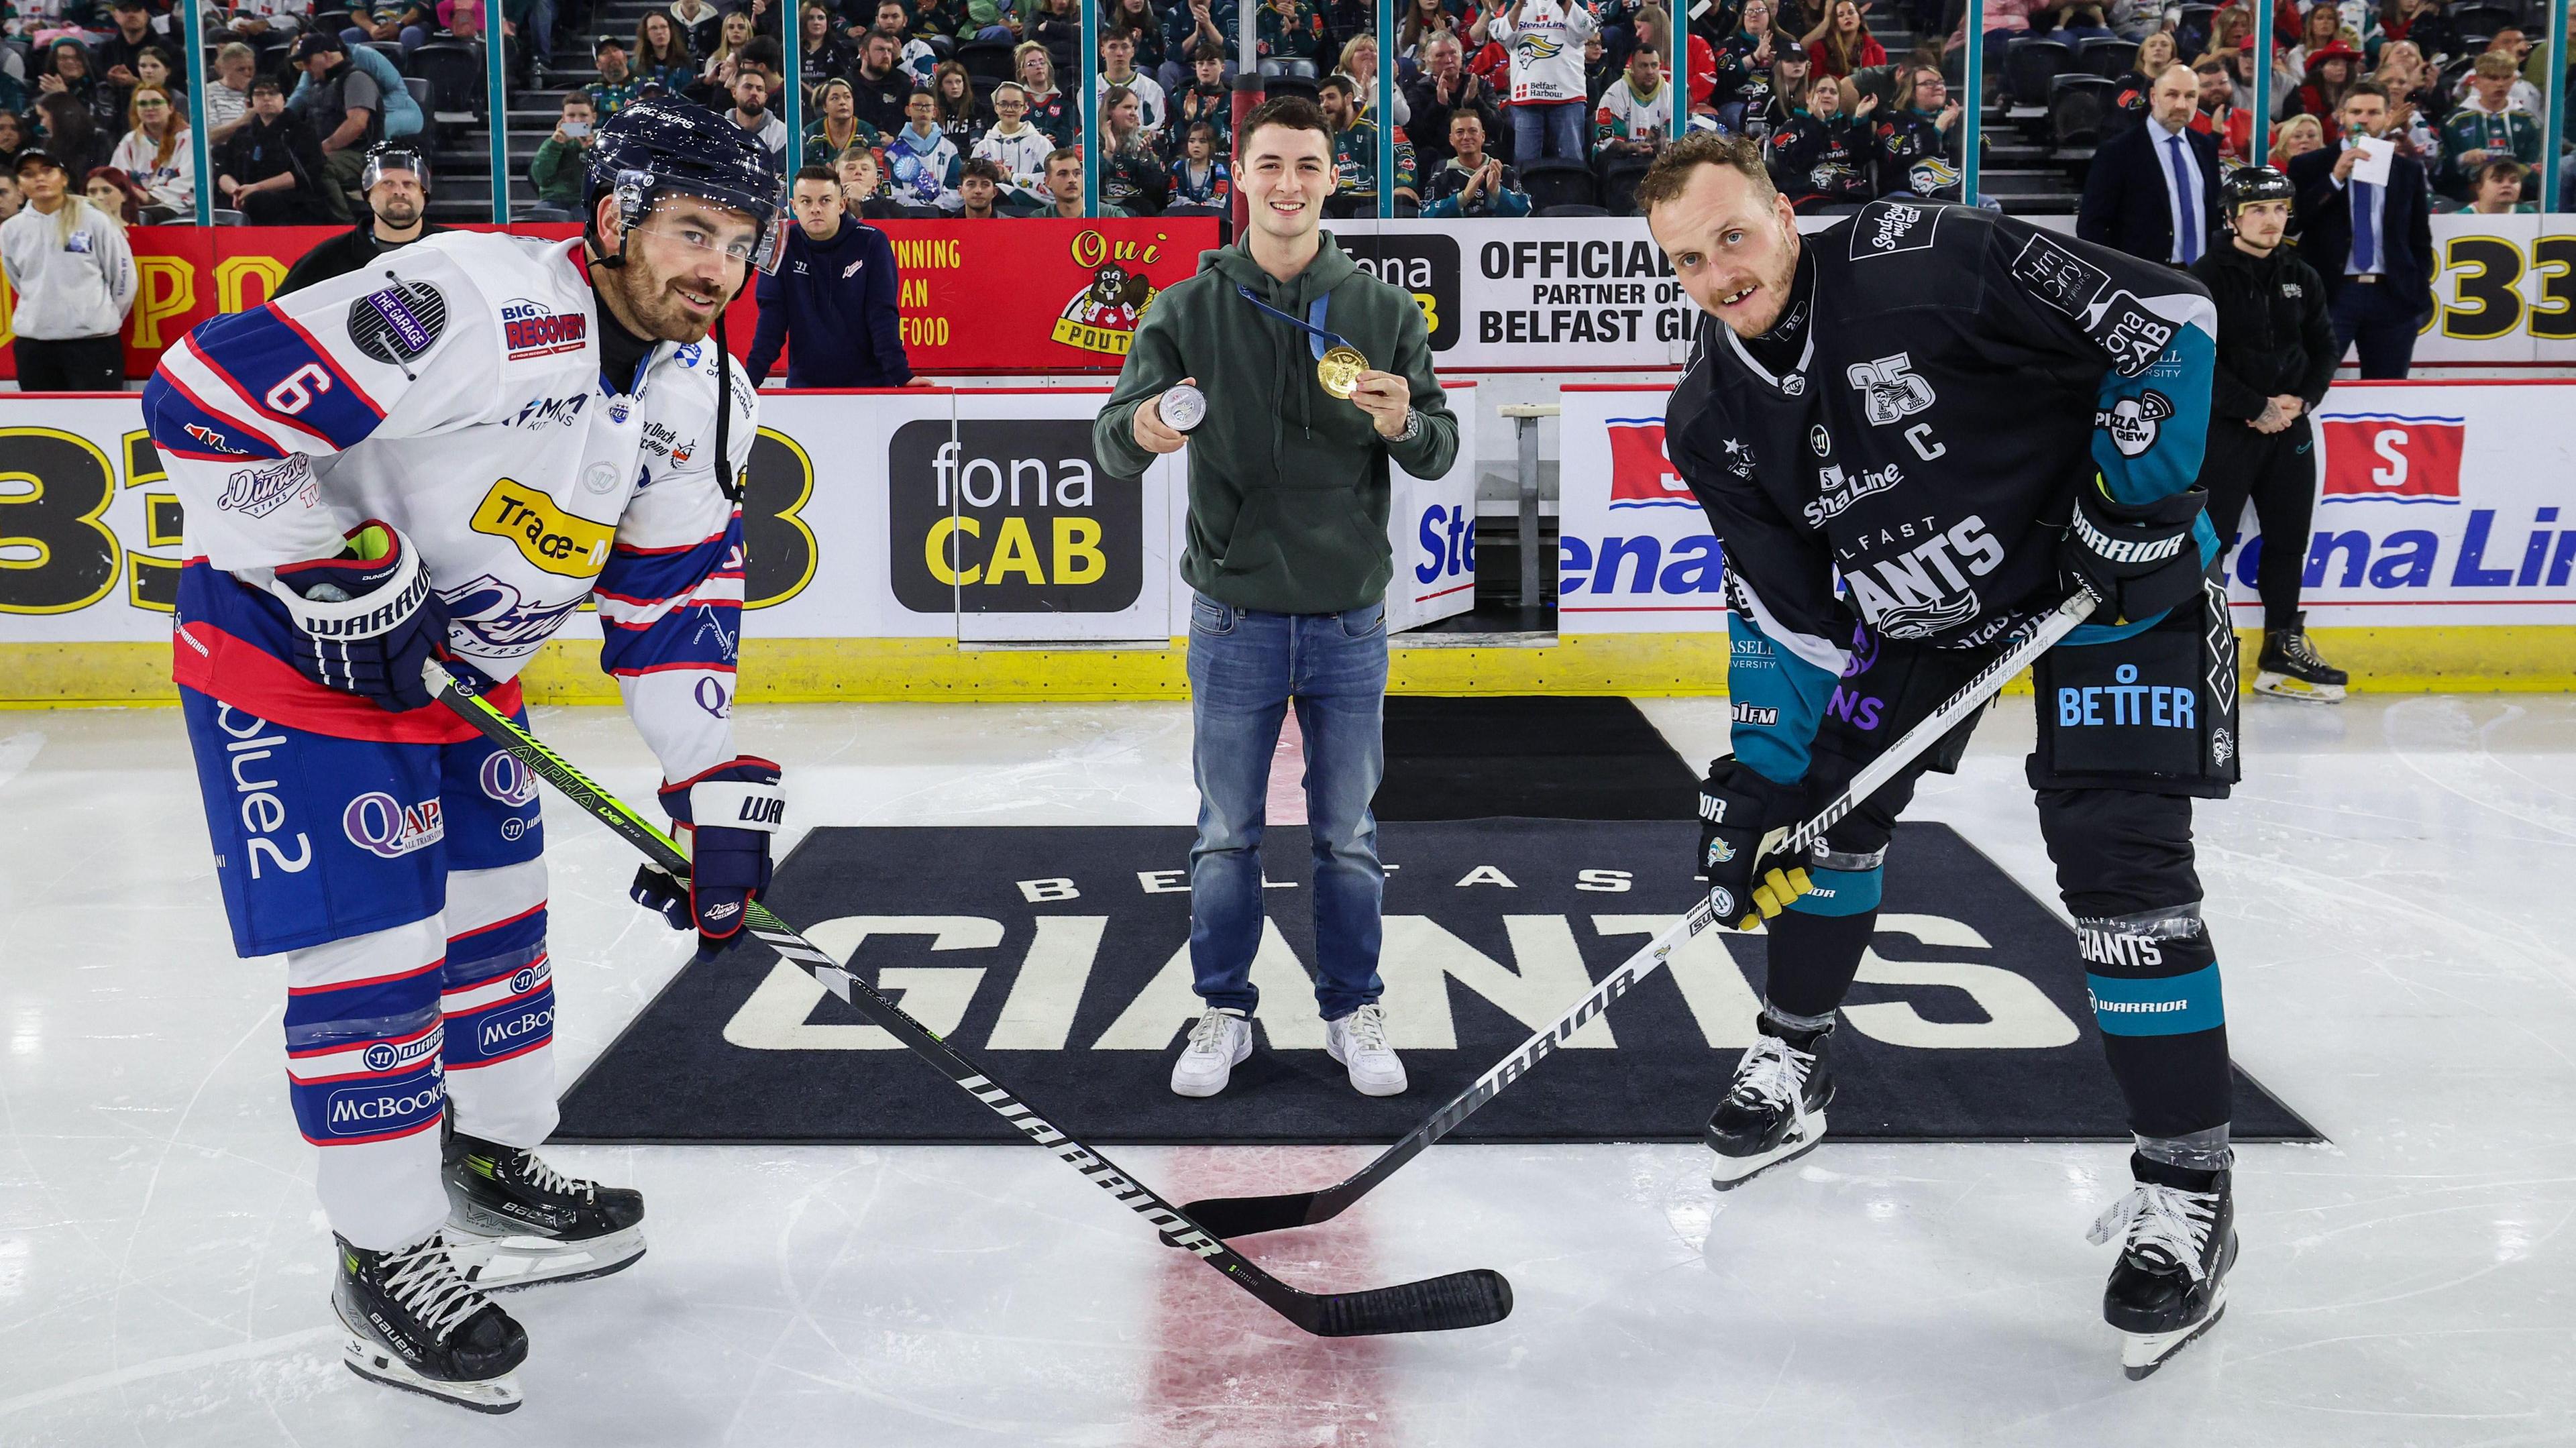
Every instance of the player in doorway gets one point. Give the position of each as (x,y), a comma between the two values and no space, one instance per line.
(445,454)
(1964,418)
(2276,353)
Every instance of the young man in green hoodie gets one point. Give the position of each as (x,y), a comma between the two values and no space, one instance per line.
(1287,551)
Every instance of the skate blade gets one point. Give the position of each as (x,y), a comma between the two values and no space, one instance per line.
(377,1364)
(2282,686)
(506,1264)
(2141,1353)
(1731,1172)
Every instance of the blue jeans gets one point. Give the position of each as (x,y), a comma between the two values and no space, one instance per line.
(1245,668)
(1548,130)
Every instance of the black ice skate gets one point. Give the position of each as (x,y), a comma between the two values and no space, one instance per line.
(516,1221)
(2170,1284)
(1775,1111)
(2290,667)
(415,1323)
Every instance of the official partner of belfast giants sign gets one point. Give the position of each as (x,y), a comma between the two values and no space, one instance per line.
(1889,455)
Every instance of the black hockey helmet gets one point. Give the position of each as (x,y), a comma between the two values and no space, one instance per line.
(665,145)
(2249,184)
(386,156)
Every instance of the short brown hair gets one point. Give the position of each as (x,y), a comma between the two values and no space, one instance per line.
(1665,180)
(2492,63)
(1293,113)
(2363,88)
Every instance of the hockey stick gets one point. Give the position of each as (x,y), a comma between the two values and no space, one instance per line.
(1244,1216)
(1460,1299)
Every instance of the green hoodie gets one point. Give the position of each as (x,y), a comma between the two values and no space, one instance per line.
(1288,483)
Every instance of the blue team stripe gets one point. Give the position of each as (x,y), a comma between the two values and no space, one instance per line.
(184,427)
(1778,701)
(371,1010)
(517,936)
(647,577)
(703,636)
(2173,1005)
(1841,892)
(256,350)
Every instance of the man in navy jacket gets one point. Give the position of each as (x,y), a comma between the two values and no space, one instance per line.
(835,290)
(2373,245)
(2148,176)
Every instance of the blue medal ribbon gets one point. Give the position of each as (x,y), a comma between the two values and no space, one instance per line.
(1316,337)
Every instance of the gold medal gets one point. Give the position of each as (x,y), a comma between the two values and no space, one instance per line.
(1339,370)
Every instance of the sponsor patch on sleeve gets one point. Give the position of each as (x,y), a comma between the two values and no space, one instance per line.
(2052,272)
(1885,228)
(399,323)
(2134,336)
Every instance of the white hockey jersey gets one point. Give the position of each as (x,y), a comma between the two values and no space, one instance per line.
(1547,50)
(452,388)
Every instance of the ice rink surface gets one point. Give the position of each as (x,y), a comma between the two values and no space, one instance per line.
(2393,892)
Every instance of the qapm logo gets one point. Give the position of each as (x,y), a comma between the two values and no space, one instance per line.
(506,779)
(2392,458)
(1641,471)
(387,828)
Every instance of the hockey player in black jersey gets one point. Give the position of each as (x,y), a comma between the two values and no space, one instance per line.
(1912,431)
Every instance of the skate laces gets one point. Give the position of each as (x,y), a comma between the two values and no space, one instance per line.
(2300,652)
(2165,1220)
(425,1282)
(1366,1029)
(534,1171)
(1212,1034)
(1775,1071)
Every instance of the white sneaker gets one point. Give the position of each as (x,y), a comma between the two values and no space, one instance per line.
(1218,1043)
(1358,1041)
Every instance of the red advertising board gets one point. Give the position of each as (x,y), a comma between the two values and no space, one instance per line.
(1029,295)
(2384,455)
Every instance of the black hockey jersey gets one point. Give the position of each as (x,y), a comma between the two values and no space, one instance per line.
(1816,159)
(1961,374)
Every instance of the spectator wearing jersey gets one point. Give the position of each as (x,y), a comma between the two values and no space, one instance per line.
(1206,99)
(913,59)
(1743,60)
(1636,116)
(1471,183)
(1696,59)
(1018,149)
(1919,144)
(1288,29)
(269,168)
(836,126)
(1049,109)
(1201,180)
(1118,72)
(1548,100)
(74,279)
(68,72)
(160,156)
(962,117)
(1823,158)
(1132,174)
(1788,83)
(1195,26)
(921,161)
(700,24)
(2500,180)
(832,302)
(1444,88)
(615,89)
(1355,154)
(979,190)
(2485,126)
(563,158)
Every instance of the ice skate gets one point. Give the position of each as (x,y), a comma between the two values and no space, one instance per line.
(2290,667)
(515,1221)
(415,1323)
(1775,1111)
(2170,1284)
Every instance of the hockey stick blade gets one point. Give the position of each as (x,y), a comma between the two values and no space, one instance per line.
(1463,1299)
(1245,1216)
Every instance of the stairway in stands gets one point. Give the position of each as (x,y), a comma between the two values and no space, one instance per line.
(462,155)
(2023,169)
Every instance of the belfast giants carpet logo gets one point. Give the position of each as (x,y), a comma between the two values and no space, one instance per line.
(387,828)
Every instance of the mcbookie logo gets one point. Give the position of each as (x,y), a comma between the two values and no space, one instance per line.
(1011,516)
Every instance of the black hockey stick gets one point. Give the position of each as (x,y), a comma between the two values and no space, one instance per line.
(1244,1216)
(1461,1299)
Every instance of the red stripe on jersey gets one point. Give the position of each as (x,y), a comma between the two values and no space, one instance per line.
(235,671)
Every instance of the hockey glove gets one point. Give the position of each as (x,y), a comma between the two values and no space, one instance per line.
(2138,559)
(367,618)
(724,819)
(1749,879)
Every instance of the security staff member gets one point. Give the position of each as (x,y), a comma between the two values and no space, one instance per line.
(2276,353)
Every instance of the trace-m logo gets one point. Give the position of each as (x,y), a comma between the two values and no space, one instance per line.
(387,828)
(1426,968)
(562,543)
(1927,590)
(532,329)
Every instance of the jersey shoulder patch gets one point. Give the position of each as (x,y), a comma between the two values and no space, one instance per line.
(1886,228)
(2051,271)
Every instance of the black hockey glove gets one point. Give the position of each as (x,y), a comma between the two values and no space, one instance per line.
(1749,879)
(724,819)
(2138,559)
(368,618)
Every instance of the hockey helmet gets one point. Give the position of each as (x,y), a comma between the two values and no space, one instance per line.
(386,156)
(2247,185)
(664,145)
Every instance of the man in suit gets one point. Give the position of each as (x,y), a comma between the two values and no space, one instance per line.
(2373,245)
(2153,190)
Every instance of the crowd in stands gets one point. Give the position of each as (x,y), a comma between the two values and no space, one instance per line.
(959,107)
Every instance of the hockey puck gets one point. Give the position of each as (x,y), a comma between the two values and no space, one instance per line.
(1182,407)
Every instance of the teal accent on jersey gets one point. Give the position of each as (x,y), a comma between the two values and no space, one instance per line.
(1778,700)
(2174,1005)
(1840,892)
(2149,431)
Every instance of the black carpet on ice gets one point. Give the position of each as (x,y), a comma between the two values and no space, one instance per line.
(1534,756)
(1057,959)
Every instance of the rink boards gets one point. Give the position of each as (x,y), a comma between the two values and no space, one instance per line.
(937,543)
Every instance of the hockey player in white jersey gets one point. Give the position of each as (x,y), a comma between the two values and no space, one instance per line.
(446,454)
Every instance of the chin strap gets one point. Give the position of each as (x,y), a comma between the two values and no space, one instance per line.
(725,480)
